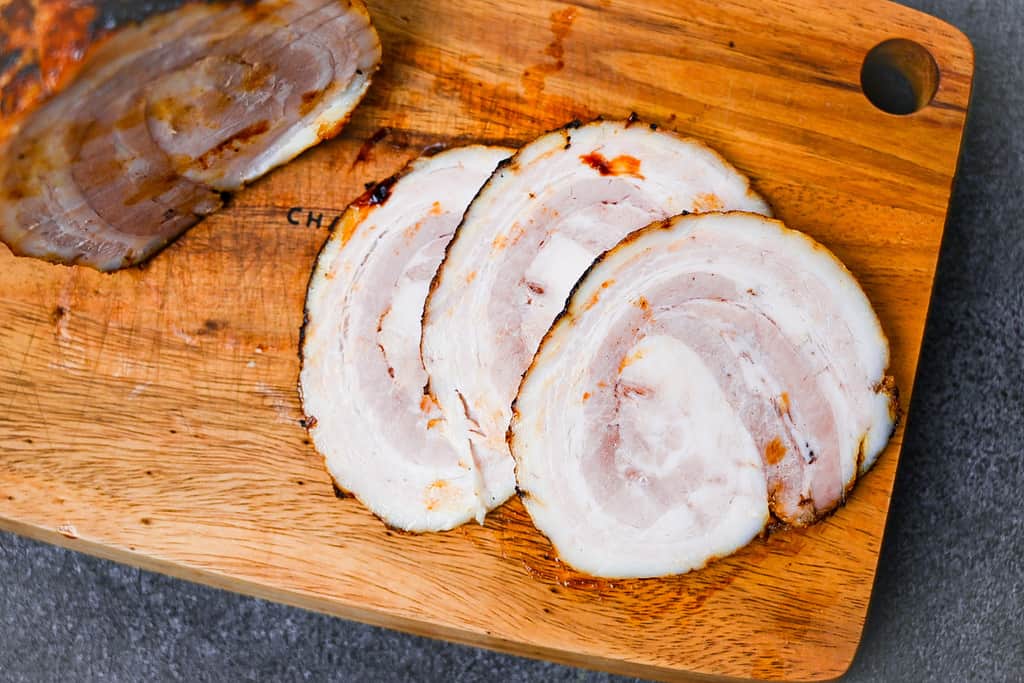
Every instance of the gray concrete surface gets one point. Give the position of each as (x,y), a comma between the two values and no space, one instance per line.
(949,600)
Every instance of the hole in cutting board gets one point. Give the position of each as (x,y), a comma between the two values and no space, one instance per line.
(900,76)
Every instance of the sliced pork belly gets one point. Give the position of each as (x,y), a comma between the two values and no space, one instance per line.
(362,379)
(165,116)
(708,371)
(536,226)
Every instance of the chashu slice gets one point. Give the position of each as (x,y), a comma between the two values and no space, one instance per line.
(165,116)
(707,372)
(362,379)
(536,226)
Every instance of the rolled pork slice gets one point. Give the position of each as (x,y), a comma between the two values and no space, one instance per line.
(539,222)
(708,372)
(362,379)
(165,116)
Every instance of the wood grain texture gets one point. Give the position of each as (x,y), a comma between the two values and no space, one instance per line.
(151,416)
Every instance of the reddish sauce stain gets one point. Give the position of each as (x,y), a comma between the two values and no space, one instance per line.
(427,403)
(774,452)
(596,296)
(451,83)
(376,194)
(784,403)
(561,24)
(366,151)
(534,77)
(327,131)
(309,100)
(620,165)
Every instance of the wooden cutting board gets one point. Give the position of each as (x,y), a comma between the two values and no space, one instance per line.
(151,416)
